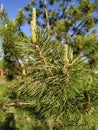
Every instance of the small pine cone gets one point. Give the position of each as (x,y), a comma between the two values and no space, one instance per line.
(29,120)
(80,47)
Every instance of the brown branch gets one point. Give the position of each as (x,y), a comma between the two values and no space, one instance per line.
(67,9)
(18,104)
(49,71)
(47,18)
(76,29)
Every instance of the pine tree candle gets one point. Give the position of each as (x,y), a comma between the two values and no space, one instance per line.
(33,25)
(65,54)
(65,60)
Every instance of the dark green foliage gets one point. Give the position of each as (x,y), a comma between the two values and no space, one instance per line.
(9,37)
(11,34)
(9,123)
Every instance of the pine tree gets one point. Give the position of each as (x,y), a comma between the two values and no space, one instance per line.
(68,21)
(11,34)
(59,90)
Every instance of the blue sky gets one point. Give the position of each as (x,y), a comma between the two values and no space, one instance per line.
(12,6)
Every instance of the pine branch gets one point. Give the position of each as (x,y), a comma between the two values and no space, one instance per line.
(49,71)
(18,104)
(47,17)
(14,51)
(20,68)
(76,29)
(65,11)
(33,27)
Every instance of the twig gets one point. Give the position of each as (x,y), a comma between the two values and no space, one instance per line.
(43,59)
(47,17)
(67,8)
(18,104)
(76,29)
